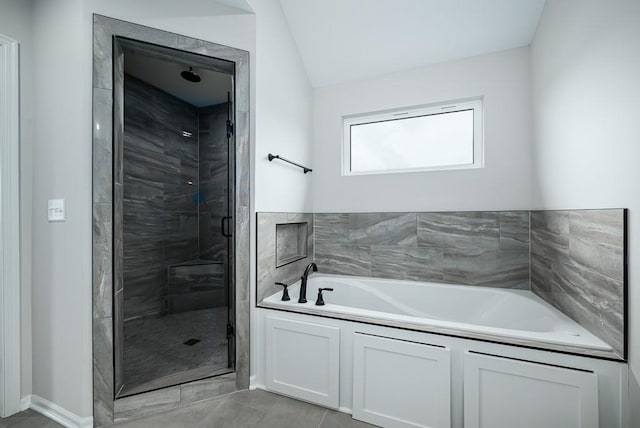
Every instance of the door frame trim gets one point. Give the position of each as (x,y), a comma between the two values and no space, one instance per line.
(106,253)
(9,227)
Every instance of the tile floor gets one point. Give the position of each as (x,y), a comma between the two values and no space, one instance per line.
(243,409)
(155,355)
(28,419)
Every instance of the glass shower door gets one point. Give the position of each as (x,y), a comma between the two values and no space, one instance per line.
(173,324)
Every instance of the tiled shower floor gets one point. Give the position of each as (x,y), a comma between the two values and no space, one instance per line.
(155,354)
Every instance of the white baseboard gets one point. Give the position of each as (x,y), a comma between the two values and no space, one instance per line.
(24,403)
(55,412)
(253,385)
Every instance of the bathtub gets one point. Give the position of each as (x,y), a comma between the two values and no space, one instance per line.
(415,354)
(507,316)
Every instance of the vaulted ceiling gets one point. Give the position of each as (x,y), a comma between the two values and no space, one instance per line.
(341,40)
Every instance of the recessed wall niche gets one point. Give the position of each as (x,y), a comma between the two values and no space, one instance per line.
(291,243)
(284,248)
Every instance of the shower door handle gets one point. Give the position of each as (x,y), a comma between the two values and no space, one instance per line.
(222,228)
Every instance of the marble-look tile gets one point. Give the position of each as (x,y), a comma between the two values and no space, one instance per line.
(343,259)
(550,234)
(118,341)
(242,344)
(288,413)
(242,98)
(171,415)
(208,388)
(196,285)
(160,226)
(514,230)
(596,240)
(102,149)
(591,299)
(102,53)
(383,229)
(148,403)
(233,415)
(289,273)
(213,173)
(118,115)
(595,301)
(242,256)
(217,413)
(462,230)
(512,269)
(335,419)
(28,419)
(291,242)
(242,155)
(102,258)
(577,265)
(104,29)
(103,371)
(410,263)
(155,354)
(501,268)
(265,251)
(215,50)
(543,274)
(118,238)
(332,228)
(256,399)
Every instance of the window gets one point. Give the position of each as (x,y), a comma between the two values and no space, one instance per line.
(436,137)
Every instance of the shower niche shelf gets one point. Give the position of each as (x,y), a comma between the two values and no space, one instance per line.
(291,243)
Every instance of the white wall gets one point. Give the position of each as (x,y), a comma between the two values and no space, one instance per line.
(283,126)
(15,22)
(585,71)
(283,115)
(505,181)
(61,300)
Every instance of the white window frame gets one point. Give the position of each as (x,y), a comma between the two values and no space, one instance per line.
(475,104)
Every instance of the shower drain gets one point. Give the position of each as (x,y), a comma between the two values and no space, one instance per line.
(191,342)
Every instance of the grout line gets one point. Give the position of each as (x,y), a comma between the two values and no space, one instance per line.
(323,418)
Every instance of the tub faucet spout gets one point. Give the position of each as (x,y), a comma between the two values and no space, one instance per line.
(303,282)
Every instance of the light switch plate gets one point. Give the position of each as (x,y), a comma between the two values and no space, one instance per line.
(56,210)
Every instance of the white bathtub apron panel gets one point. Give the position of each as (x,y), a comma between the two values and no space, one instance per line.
(303,361)
(506,393)
(401,384)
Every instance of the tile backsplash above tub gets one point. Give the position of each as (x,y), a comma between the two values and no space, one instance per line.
(578,265)
(472,248)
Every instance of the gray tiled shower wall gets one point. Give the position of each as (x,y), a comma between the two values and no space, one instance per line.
(577,257)
(174,194)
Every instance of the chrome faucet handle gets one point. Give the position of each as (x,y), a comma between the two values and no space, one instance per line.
(320,300)
(285,292)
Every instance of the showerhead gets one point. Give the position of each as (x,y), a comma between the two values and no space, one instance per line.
(190,75)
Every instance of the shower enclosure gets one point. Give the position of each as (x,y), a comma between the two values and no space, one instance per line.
(173,234)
